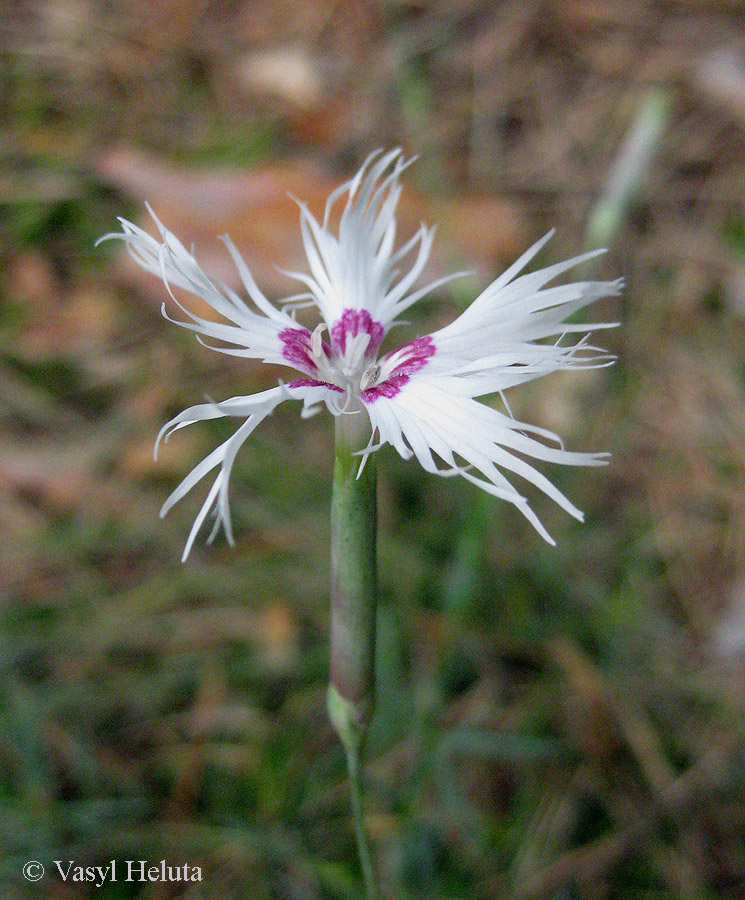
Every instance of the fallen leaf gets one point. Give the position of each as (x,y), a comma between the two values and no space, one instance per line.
(285,72)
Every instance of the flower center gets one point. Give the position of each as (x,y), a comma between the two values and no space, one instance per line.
(348,363)
(347,366)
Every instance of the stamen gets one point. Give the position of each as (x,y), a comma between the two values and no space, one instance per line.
(354,354)
(369,377)
(316,341)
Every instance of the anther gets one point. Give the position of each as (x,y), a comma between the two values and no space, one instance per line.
(369,377)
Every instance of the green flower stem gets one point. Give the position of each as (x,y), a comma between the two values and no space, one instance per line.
(353,568)
(344,718)
(351,693)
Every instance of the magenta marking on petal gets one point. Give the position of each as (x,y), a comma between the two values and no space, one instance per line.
(388,388)
(314,382)
(352,323)
(414,357)
(296,348)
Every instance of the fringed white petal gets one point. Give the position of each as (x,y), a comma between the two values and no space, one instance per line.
(256,333)
(423,418)
(357,267)
(256,408)
(513,312)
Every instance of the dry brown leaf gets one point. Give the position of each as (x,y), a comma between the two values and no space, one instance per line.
(485,232)
(720,75)
(255,208)
(589,714)
(31,280)
(136,460)
(91,317)
(277,636)
(289,73)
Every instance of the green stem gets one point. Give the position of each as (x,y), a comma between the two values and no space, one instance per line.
(353,568)
(355,787)
(352,735)
(351,692)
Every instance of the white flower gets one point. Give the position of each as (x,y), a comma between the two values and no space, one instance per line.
(419,398)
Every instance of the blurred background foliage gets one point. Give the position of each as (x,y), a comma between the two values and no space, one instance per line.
(558,723)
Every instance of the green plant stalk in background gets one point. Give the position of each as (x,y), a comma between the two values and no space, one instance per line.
(351,692)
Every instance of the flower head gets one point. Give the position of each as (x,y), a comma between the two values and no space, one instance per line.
(420,398)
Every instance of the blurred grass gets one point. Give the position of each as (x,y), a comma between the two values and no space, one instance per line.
(552,723)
